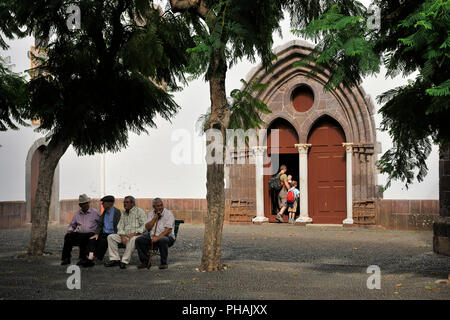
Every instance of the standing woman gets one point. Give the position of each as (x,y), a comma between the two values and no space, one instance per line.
(282,201)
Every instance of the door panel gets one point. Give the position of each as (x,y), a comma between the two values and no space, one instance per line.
(327,173)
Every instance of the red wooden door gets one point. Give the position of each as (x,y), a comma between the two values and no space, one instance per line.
(327,173)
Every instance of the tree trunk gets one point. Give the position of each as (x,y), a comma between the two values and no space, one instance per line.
(215,194)
(441,227)
(49,160)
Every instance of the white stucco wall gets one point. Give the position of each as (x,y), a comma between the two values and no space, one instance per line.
(145,168)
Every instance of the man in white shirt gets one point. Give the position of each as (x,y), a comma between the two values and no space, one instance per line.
(163,220)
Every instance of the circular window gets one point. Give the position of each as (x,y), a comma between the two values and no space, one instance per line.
(302,98)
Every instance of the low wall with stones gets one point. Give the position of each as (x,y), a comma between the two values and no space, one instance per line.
(407,214)
(390,214)
(13,214)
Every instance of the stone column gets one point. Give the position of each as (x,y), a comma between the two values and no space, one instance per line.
(258,153)
(441,226)
(349,161)
(303,184)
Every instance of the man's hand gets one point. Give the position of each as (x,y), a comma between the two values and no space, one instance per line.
(124,239)
(69,231)
(135,234)
(155,239)
(95,236)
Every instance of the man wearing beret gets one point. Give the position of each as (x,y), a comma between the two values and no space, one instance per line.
(81,228)
(107,224)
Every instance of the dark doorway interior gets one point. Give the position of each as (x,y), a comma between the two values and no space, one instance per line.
(284,146)
(291,160)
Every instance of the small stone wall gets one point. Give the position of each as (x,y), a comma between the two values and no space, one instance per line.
(390,214)
(13,214)
(407,214)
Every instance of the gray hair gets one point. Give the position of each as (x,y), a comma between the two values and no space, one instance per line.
(156,200)
(131,198)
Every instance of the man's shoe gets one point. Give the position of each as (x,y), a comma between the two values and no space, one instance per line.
(65,262)
(163,266)
(81,262)
(112,263)
(279,218)
(88,263)
(123,265)
(143,265)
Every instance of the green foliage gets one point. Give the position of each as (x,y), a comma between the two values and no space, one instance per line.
(413,37)
(409,132)
(12,85)
(8,25)
(245,109)
(12,98)
(234,30)
(101,81)
(304,12)
(345,47)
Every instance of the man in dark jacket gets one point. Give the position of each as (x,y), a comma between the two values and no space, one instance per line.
(107,224)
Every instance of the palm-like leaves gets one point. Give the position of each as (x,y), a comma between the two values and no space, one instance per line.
(245,108)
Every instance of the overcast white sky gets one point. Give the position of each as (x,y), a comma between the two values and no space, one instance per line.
(157,147)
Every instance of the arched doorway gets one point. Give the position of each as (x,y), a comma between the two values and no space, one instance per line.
(287,154)
(31,177)
(327,172)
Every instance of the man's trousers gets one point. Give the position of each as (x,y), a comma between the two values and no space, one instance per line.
(76,239)
(113,248)
(99,246)
(143,245)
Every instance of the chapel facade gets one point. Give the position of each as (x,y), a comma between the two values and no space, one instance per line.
(327,140)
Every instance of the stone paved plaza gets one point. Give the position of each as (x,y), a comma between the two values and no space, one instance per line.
(264,262)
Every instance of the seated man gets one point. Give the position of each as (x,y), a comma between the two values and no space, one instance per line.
(163,238)
(131,225)
(107,224)
(80,229)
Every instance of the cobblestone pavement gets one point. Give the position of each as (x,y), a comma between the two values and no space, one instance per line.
(264,262)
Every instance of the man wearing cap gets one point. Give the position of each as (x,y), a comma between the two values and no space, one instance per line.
(81,228)
(107,224)
(131,226)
